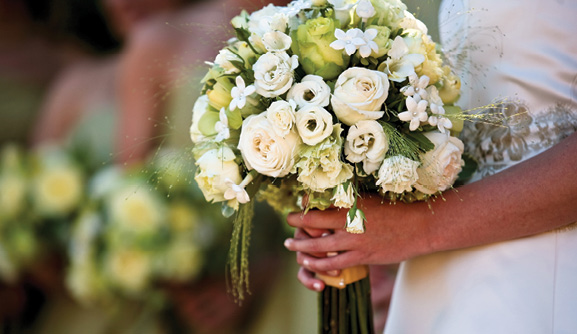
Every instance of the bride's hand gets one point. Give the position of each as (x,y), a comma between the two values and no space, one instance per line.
(393,233)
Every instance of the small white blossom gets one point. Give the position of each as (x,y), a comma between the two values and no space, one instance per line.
(416,113)
(417,86)
(221,127)
(436,106)
(349,41)
(366,49)
(239,93)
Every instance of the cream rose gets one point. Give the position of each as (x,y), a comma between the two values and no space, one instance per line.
(441,166)
(311,90)
(359,94)
(314,124)
(281,115)
(198,110)
(367,143)
(273,73)
(265,151)
(215,167)
(398,174)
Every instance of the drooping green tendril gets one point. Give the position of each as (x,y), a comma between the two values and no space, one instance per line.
(238,262)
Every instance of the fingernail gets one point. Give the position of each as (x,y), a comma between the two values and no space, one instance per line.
(288,243)
(317,286)
(306,262)
(333,272)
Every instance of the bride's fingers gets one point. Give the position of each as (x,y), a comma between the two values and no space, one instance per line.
(302,259)
(332,264)
(308,279)
(315,219)
(327,244)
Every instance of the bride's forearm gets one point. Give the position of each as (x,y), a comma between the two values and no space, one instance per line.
(534,196)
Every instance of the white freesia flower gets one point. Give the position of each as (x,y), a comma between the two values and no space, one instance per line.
(215,167)
(265,151)
(273,73)
(417,86)
(440,166)
(344,198)
(367,143)
(398,174)
(401,63)
(350,41)
(282,117)
(314,124)
(359,94)
(276,41)
(199,109)
(240,93)
(416,113)
(311,90)
(238,191)
(225,58)
(356,224)
(221,127)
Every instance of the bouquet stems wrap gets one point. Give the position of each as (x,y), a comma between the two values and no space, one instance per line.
(345,303)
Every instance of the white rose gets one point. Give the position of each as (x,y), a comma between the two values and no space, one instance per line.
(398,174)
(267,19)
(273,73)
(359,94)
(440,166)
(281,115)
(311,90)
(314,124)
(198,110)
(366,142)
(215,167)
(263,150)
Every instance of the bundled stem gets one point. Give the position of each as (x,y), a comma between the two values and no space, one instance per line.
(348,310)
(238,264)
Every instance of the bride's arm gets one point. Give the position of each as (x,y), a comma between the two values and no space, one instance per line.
(535,196)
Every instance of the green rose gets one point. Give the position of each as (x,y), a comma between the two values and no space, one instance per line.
(311,43)
(219,96)
(320,167)
(382,39)
(388,13)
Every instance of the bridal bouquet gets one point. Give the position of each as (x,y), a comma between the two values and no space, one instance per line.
(325,99)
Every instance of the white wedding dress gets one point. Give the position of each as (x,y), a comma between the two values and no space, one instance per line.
(525,53)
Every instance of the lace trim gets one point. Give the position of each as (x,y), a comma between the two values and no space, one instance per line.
(519,134)
(566,228)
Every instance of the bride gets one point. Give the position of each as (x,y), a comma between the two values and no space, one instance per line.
(496,255)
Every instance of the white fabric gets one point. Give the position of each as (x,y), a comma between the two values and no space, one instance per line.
(525,51)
